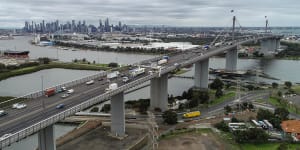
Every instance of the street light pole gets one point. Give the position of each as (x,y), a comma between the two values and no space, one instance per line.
(43,102)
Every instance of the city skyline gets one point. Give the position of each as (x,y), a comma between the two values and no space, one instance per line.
(172,13)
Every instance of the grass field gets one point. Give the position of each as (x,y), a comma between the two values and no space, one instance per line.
(223,98)
(77,66)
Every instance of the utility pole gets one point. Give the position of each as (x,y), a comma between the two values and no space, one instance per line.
(43,102)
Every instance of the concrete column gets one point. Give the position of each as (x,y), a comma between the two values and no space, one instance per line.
(159,93)
(201,74)
(47,139)
(118,115)
(269,46)
(231,60)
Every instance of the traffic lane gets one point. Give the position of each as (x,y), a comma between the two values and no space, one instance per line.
(38,117)
(37,103)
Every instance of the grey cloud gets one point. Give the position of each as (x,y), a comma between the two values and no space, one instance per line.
(168,12)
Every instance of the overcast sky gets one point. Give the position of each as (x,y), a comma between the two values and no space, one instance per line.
(13,13)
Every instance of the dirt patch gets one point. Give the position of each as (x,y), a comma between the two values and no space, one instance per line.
(99,139)
(86,127)
(192,141)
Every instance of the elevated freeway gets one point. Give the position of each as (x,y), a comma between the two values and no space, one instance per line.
(41,112)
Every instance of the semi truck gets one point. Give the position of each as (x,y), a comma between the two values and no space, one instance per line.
(50,92)
(192,114)
(137,71)
(112,86)
(113,75)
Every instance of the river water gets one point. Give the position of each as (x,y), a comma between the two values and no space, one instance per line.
(31,142)
(285,70)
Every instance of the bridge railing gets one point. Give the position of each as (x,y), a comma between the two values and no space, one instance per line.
(40,93)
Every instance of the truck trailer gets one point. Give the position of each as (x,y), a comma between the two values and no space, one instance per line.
(50,92)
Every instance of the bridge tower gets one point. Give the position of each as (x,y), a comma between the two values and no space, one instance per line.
(118,115)
(201,74)
(269,46)
(159,92)
(46,138)
(232,55)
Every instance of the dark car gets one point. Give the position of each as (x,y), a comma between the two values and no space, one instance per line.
(60,106)
(2,113)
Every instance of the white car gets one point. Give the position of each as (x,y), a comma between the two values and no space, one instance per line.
(90,82)
(65,95)
(19,106)
(70,91)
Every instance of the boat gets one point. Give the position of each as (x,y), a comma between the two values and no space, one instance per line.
(10,53)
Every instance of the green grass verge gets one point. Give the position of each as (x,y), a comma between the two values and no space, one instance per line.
(296,88)
(32,69)
(291,108)
(181,71)
(223,98)
(267,146)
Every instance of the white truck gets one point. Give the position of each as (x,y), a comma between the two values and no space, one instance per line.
(112,75)
(112,86)
(162,61)
(137,71)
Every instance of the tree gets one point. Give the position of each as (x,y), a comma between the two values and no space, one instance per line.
(219,93)
(44,60)
(279,93)
(105,108)
(171,99)
(227,109)
(143,105)
(250,87)
(184,95)
(2,66)
(95,109)
(250,106)
(84,60)
(222,126)
(204,97)
(251,135)
(288,84)
(283,146)
(169,117)
(233,119)
(274,85)
(217,84)
(113,65)
(282,113)
(264,114)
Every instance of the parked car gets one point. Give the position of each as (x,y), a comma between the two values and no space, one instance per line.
(125,79)
(65,95)
(60,106)
(70,91)
(2,113)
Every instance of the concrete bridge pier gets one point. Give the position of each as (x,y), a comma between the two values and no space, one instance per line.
(231,60)
(269,46)
(47,138)
(159,93)
(118,115)
(201,74)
